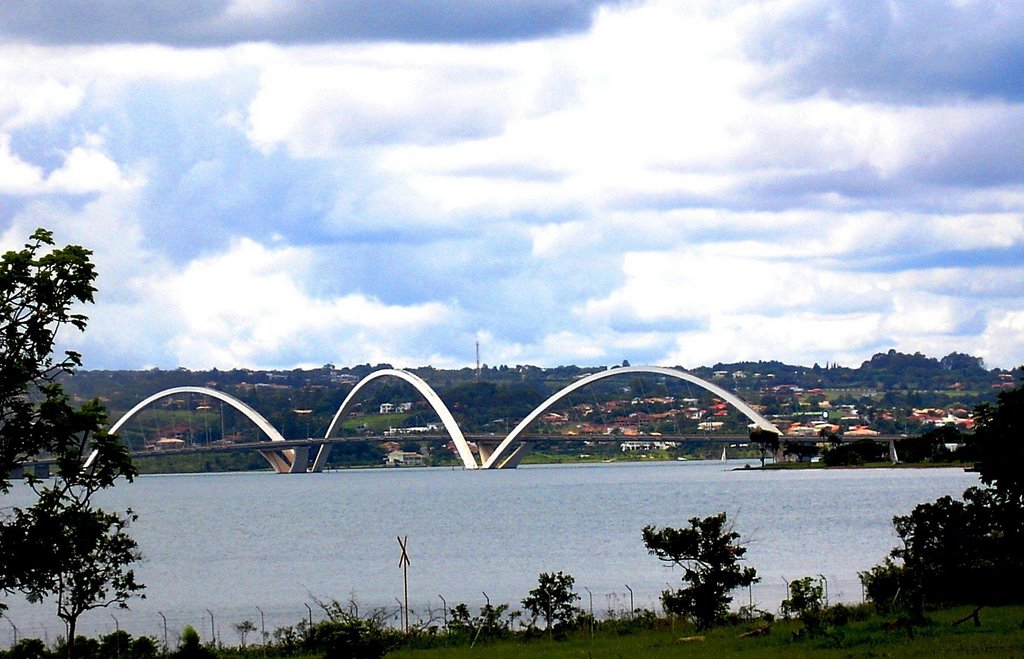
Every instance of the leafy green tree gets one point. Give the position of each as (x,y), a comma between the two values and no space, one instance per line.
(766,440)
(554,599)
(805,600)
(802,450)
(859,452)
(709,554)
(61,545)
(930,446)
(998,445)
(965,551)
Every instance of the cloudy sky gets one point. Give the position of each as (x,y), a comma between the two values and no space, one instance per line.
(277,184)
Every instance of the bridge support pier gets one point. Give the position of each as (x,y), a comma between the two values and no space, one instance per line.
(513,460)
(300,460)
(289,461)
(321,458)
(278,460)
(485,449)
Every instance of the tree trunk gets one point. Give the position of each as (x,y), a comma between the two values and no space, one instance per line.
(71,625)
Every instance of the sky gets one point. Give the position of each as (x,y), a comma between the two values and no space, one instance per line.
(269,184)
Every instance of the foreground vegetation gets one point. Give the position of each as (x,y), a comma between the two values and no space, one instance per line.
(869,635)
(865,633)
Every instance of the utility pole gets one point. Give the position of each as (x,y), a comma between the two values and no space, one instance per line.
(591,614)
(213,629)
(403,563)
(117,636)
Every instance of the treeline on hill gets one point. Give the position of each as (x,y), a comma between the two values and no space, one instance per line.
(302,402)
(505,391)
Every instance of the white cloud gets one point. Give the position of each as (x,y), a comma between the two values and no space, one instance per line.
(16,176)
(1000,344)
(320,104)
(251,305)
(88,169)
(25,100)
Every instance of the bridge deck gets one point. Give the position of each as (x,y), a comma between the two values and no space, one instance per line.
(477,439)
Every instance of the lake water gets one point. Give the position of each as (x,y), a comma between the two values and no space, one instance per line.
(225,544)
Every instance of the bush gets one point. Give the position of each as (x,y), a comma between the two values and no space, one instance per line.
(347,634)
(190,646)
(28,648)
(491,624)
(806,602)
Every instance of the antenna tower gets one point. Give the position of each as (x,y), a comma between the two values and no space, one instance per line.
(477,361)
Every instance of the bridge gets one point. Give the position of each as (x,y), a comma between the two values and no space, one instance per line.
(310,455)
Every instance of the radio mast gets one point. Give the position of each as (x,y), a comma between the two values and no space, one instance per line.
(478,361)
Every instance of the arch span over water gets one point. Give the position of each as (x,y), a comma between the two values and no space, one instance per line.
(431,397)
(295,460)
(498,459)
(281,463)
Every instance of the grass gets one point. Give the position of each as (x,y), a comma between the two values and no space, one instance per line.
(376,423)
(999,635)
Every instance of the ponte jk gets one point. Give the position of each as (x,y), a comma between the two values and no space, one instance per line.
(294,457)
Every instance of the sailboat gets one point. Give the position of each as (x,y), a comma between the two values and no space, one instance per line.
(723,454)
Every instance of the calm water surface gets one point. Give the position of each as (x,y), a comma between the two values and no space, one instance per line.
(228,543)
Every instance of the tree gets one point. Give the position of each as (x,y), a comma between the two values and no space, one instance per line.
(61,545)
(998,444)
(243,629)
(969,550)
(710,556)
(804,452)
(553,598)
(859,452)
(36,294)
(766,440)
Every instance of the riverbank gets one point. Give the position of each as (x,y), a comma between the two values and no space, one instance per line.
(783,466)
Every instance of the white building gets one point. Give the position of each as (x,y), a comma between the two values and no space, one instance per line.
(404,459)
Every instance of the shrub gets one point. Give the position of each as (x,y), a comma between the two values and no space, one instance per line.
(805,600)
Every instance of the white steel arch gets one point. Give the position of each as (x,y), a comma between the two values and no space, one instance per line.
(284,464)
(431,397)
(497,459)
